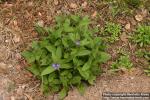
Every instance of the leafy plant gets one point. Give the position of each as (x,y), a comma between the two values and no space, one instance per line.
(2,1)
(123,6)
(112,32)
(122,63)
(145,54)
(147,71)
(133,3)
(142,35)
(68,55)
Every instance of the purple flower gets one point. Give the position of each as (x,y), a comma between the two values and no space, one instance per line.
(77,42)
(56,66)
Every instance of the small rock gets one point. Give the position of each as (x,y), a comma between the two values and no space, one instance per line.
(56,2)
(84,4)
(128,26)
(139,17)
(73,5)
(28,96)
(7,41)
(40,23)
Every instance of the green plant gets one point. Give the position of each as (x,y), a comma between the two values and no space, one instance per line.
(147,71)
(145,54)
(68,55)
(112,32)
(133,3)
(142,35)
(122,63)
(2,1)
(123,6)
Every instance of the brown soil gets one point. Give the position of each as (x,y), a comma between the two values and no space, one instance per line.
(17,19)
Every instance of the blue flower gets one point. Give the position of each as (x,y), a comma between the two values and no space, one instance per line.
(56,66)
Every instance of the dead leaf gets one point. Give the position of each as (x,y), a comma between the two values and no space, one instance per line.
(18,56)
(56,2)
(139,17)
(34,34)
(73,5)
(124,37)
(3,68)
(84,4)
(16,38)
(128,26)
(30,3)
(94,14)
(15,24)
(133,21)
(144,12)
(18,67)
(28,96)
